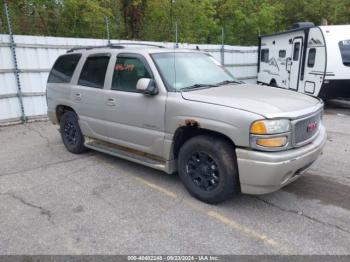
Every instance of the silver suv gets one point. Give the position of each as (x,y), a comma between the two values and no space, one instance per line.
(181,111)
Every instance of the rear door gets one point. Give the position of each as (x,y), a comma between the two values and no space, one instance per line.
(295,63)
(88,96)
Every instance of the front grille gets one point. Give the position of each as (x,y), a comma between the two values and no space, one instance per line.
(306,128)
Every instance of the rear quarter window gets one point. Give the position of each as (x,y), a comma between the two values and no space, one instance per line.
(63,69)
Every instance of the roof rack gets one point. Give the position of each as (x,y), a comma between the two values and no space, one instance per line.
(117,46)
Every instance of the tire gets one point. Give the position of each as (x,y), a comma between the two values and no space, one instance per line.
(273,83)
(71,134)
(207,166)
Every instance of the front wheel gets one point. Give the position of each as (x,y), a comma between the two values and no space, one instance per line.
(208,168)
(71,134)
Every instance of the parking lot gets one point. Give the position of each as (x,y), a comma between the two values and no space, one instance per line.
(54,202)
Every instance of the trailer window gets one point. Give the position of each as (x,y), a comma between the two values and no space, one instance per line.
(282,53)
(296,52)
(345,51)
(311,58)
(265,55)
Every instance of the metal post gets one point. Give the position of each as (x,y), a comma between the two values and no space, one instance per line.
(14,56)
(222,50)
(176,36)
(108,33)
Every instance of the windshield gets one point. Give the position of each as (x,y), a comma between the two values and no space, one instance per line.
(345,51)
(190,70)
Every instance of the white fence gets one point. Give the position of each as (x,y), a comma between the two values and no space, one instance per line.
(36,54)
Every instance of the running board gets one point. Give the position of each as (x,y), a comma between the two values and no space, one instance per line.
(127,153)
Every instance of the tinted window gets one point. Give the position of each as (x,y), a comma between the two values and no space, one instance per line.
(265,55)
(63,68)
(282,53)
(311,58)
(345,51)
(127,71)
(94,71)
(296,52)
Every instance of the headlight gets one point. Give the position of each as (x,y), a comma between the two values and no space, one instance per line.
(267,127)
(271,135)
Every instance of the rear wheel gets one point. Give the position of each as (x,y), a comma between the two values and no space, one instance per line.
(208,168)
(71,134)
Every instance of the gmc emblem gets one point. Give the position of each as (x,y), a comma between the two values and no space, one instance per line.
(312,127)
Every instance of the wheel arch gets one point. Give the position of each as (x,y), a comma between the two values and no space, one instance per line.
(61,109)
(184,133)
(273,82)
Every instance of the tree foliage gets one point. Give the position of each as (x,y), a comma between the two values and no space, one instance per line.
(198,21)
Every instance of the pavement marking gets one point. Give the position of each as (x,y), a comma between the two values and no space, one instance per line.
(156,187)
(214,215)
(247,231)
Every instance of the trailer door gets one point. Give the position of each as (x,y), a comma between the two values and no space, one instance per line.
(295,63)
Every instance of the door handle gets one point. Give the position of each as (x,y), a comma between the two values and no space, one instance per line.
(110,102)
(77,96)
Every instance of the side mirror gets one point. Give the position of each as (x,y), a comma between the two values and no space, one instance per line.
(147,86)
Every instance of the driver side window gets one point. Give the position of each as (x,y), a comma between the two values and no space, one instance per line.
(127,71)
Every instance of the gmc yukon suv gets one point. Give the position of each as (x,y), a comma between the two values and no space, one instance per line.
(182,111)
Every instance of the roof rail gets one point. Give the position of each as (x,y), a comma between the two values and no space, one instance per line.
(120,45)
(114,45)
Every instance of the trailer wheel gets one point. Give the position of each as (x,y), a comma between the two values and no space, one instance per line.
(273,83)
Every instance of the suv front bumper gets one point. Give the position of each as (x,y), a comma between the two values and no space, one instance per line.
(265,172)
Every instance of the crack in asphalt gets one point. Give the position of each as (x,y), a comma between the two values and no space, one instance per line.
(43,211)
(48,165)
(302,214)
(40,134)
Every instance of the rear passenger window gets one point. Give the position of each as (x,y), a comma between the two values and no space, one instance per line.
(265,55)
(63,68)
(311,57)
(282,53)
(94,71)
(127,71)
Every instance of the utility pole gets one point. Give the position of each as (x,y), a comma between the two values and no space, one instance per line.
(107,31)
(176,36)
(222,51)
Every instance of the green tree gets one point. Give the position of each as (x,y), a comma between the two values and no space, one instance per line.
(199,21)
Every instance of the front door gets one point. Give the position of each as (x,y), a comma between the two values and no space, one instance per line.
(295,64)
(135,120)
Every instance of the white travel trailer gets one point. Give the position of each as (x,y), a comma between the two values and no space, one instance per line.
(309,59)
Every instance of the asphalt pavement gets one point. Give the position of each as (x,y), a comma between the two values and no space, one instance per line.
(55,202)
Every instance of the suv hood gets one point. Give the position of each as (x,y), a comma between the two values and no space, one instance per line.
(263,100)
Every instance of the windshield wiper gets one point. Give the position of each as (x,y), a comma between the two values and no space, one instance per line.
(226,82)
(198,86)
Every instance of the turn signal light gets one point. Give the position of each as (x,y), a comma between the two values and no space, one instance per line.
(272,142)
